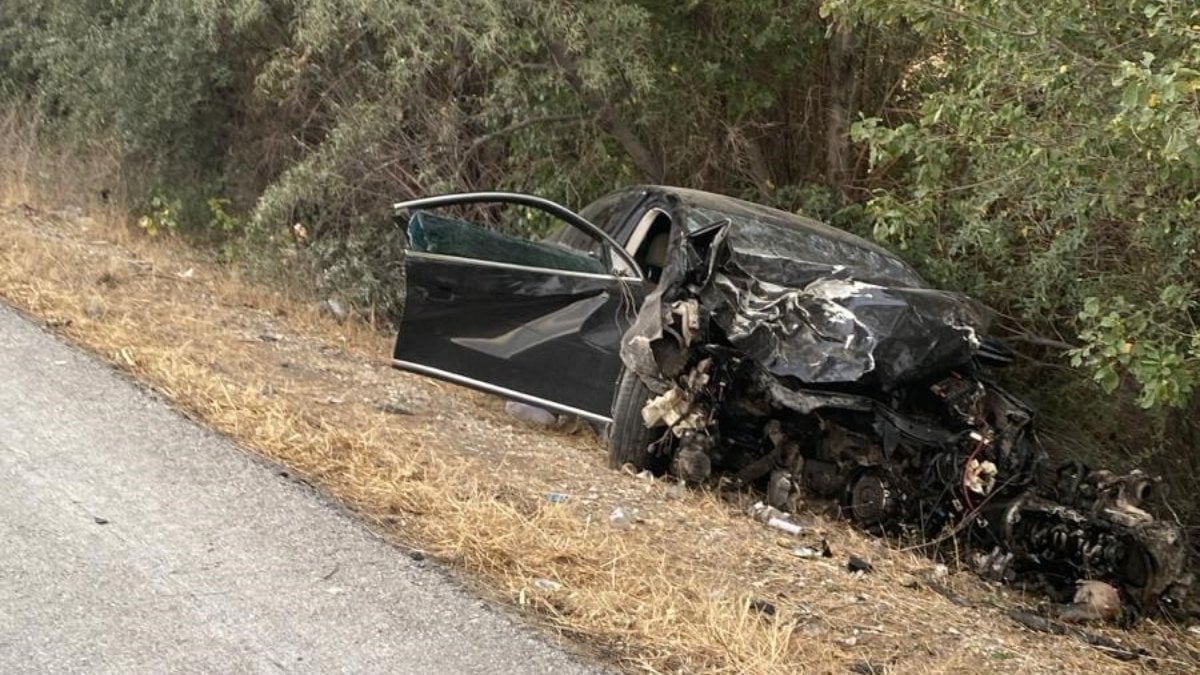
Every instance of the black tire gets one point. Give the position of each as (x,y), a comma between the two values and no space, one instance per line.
(629,441)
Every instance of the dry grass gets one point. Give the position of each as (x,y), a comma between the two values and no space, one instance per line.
(460,480)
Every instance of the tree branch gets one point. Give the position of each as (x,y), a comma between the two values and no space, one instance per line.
(643,158)
(984,23)
(518,126)
(1040,341)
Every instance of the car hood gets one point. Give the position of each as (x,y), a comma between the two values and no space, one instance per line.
(821,309)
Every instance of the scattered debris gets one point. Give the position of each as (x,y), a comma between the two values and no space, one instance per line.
(780,488)
(763,513)
(100,521)
(980,477)
(692,464)
(1106,645)
(557,497)
(529,413)
(392,408)
(994,566)
(186,274)
(125,355)
(622,518)
(806,552)
(857,565)
(785,525)
(673,409)
(1094,601)
(548,585)
(645,475)
(868,668)
(270,337)
(773,517)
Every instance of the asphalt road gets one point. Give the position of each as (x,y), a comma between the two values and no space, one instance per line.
(133,541)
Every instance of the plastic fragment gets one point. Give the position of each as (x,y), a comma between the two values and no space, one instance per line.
(530,413)
(621,518)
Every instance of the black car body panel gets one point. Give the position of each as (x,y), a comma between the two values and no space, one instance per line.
(831,310)
(546,337)
(533,321)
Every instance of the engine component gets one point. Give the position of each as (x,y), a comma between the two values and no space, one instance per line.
(872,500)
(823,478)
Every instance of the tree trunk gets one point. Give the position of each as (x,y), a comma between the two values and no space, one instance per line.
(843,85)
(643,158)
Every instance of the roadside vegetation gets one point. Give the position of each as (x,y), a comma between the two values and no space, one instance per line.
(1043,156)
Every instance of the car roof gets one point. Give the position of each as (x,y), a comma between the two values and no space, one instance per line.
(721,202)
(782,220)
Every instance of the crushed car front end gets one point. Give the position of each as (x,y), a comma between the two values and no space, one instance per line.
(780,352)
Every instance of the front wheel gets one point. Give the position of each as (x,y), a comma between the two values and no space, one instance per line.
(629,441)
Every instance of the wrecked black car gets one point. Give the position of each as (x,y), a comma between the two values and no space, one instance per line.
(717,337)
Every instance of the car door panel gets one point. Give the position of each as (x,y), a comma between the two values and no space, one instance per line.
(545,336)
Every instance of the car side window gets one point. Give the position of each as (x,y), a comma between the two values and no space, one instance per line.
(606,213)
(501,233)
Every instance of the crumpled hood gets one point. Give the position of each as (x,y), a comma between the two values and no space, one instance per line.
(823,307)
(828,311)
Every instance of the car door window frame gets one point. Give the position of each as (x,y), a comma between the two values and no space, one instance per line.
(609,245)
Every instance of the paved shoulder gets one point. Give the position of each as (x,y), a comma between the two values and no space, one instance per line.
(135,541)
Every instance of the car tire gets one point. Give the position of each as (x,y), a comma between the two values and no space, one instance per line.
(629,441)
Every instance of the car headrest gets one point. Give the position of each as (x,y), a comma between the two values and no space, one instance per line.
(656,251)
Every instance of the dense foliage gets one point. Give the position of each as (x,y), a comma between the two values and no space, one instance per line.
(1051,163)
(1044,155)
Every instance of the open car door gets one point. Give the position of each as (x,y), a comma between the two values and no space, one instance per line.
(530,320)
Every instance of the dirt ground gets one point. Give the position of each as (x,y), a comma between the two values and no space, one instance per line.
(692,585)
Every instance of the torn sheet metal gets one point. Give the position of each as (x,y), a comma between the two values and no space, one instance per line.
(834,313)
(814,364)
